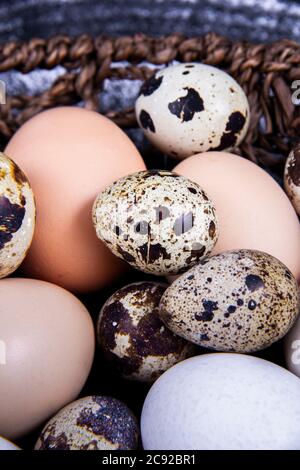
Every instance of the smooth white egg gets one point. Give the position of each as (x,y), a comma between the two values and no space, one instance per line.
(223,401)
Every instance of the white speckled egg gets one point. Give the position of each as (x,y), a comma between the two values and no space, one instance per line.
(223,402)
(240,301)
(7,445)
(17,216)
(91,423)
(292,177)
(292,348)
(190,108)
(133,338)
(157,221)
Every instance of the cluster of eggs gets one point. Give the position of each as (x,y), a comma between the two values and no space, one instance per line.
(221,231)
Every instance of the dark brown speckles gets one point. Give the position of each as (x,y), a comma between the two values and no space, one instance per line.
(151,85)
(186,106)
(235,122)
(52,441)
(152,252)
(125,255)
(252,304)
(197,252)
(146,121)
(207,314)
(11,218)
(212,230)
(234,126)
(113,421)
(254,282)
(192,190)
(18,175)
(118,231)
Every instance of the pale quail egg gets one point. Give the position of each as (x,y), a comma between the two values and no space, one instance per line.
(132,336)
(240,301)
(190,108)
(91,423)
(17,216)
(157,221)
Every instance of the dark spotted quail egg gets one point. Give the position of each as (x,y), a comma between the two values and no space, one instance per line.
(91,423)
(292,177)
(190,108)
(133,337)
(240,301)
(157,221)
(17,216)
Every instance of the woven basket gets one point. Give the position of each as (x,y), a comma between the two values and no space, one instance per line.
(266,73)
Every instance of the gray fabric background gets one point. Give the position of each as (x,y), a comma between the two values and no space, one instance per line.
(256,20)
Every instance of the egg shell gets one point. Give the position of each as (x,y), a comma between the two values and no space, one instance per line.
(253,210)
(292,177)
(17,215)
(70,154)
(292,348)
(46,352)
(223,402)
(91,423)
(132,336)
(7,445)
(157,221)
(189,108)
(240,301)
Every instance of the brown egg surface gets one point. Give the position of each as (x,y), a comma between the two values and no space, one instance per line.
(69,155)
(240,301)
(46,352)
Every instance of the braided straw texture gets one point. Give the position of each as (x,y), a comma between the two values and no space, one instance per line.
(266,73)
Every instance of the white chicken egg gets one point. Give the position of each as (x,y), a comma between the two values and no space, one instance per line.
(222,402)
(190,108)
(7,445)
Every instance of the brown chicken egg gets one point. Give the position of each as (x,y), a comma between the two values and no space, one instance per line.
(69,155)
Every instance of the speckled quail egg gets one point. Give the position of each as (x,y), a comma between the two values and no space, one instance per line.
(157,221)
(133,337)
(240,301)
(223,402)
(190,108)
(91,423)
(17,216)
(292,177)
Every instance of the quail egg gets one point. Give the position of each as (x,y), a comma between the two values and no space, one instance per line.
(91,423)
(133,337)
(157,221)
(190,108)
(292,177)
(240,301)
(17,216)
